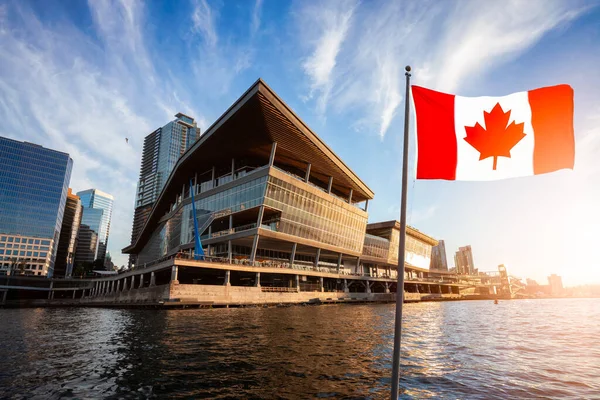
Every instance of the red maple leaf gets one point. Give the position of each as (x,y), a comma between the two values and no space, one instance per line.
(498,139)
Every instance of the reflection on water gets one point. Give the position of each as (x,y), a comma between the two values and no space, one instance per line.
(470,350)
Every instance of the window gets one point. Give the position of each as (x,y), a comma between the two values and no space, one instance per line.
(10,240)
(45,242)
(43,254)
(17,240)
(3,239)
(35,254)
(1,251)
(37,241)
(22,253)
(28,254)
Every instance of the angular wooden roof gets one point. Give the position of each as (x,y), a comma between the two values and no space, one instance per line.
(248,128)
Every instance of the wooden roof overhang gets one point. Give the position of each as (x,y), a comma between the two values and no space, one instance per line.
(247,130)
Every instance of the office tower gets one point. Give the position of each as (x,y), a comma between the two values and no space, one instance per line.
(67,244)
(33,192)
(463,260)
(95,225)
(438,257)
(556,285)
(162,148)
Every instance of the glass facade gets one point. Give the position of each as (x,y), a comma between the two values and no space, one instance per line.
(97,213)
(178,229)
(313,217)
(33,190)
(417,254)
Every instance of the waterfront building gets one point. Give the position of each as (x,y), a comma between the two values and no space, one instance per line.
(438,257)
(556,285)
(463,261)
(33,184)
(162,148)
(67,243)
(95,225)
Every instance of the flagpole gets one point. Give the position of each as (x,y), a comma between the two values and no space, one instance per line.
(401,247)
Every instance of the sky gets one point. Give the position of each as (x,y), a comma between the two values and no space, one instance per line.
(81,77)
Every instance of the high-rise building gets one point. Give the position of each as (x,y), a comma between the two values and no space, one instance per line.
(463,260)
(67,244)
(556,284)
(33,192)
(95,225)
(438,257)
(162,148)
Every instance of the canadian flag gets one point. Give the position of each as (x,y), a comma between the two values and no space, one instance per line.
(489,138)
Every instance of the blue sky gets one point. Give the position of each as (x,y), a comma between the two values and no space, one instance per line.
(81,77)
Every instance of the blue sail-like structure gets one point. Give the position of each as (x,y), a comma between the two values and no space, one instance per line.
(198,250)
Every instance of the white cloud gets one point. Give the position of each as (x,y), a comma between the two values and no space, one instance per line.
(255,26)
(447,44)
(203,18)
(329,24)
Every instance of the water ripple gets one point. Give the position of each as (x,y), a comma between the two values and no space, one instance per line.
(542,349)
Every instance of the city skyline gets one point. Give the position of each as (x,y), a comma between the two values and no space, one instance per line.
(114,101)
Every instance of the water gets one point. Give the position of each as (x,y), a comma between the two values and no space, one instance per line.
(461,350)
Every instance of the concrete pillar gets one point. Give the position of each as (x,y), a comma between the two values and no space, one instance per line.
(74,293)
(330,184)
(229,252)
(367,205)
(174,273)
(257,283)
(227,278)
(307,176)
(350,196)
(346,288)
(141,285)
(339,264)
(272,156)
(4,294)
(368,287)
(213,178)
(387,287)
(50,293)
(230,222)
(317,256)
(132,286)
(440,289)
(261,212)
(293,255)
(254,247)
(298,282)
(124,284)
(152,279)
(112,287)
(321,284)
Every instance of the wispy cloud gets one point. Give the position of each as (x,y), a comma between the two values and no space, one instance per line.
(255,26)
(448,43)
(204,17)
(328,29)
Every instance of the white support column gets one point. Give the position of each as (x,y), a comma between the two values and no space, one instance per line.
(298,282)
(330,184)
(339,263)
(317,256)
(227,278)
(387,287)
(346,288)
(368,287)
(272,156)
(110,290)
(174,273)
(230,222)
(152,279)
(118,286)
(321,284)
(254,248)
(74,293)
(350,196)
(229,252)
(213,176)
(50,292)
(293,255)
(367,205)
(307,176)
(141,281)
(257,283)
(124,284)
(131,287)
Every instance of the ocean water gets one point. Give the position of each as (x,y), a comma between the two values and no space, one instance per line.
(520,349)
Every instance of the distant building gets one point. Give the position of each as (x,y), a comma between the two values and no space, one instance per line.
(556,284)
(67,244)
(34,183)
(463,260)
(95,225)
(162,148)
(438,257)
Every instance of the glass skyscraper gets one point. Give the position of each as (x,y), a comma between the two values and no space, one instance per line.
(162,149)
(95,225)
(34,182)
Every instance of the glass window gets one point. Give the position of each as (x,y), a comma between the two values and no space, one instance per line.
(10,239)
